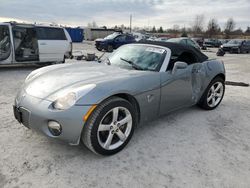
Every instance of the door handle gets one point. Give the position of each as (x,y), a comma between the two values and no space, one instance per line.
(43,43)
(196,71)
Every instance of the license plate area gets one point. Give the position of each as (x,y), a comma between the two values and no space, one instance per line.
(17,114)
(22,115)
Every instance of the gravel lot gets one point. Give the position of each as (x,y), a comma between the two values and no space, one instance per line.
(188,148)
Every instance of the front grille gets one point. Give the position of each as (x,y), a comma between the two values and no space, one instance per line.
(25,116)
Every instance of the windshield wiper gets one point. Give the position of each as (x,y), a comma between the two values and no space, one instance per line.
(132,63)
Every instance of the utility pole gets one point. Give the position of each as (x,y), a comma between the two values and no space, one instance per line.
(130,23)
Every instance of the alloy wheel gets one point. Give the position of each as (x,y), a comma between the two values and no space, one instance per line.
(215,94)
(114,128)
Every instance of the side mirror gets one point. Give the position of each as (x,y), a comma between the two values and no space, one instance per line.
(179,65)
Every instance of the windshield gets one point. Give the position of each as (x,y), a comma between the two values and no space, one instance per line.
(235,42)
(112,36)
(139,57)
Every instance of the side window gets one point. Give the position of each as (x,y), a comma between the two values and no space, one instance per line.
(47,33)
(191,43)
(120,38)
(184,41)
(5,49)
(186,57)
(129,38)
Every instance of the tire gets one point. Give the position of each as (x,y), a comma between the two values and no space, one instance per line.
(110,48)
(99,48)
(212,98)
(102,125)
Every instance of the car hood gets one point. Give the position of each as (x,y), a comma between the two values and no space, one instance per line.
(99,40)
(103,40)
(47,82)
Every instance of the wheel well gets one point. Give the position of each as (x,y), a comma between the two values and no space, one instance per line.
(220,75)
(133,101)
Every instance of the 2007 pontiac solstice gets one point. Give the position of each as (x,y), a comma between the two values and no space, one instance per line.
(101,103)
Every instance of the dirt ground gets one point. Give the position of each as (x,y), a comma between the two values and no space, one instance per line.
(188,148)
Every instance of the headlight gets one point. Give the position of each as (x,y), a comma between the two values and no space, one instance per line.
(67,98)
(65,102)
(221,46)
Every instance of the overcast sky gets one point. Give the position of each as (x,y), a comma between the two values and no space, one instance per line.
(164,13)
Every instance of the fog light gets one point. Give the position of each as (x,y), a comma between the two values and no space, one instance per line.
(55,128)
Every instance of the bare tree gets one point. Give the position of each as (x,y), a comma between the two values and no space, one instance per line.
(92,25)
(229,27)
(247,31)
(198,24)
(213,27)
(153,29)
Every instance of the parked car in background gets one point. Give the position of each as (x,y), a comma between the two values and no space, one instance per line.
(186,41)
(200,41)
(213,43)
(162,39)
(152,38)
(138,36)
(143,81)
(29,43)
(237,46)
(224,41)
(114,41)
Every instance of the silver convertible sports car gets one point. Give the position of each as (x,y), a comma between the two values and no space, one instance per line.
(101,104)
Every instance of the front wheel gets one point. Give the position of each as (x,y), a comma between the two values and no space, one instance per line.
(98,48)
(213,95)
(110,126)
(110,48)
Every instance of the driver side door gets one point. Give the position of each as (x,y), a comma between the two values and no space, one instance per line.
(119,41)
(176,89)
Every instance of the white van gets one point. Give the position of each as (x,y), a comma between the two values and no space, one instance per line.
(29,43)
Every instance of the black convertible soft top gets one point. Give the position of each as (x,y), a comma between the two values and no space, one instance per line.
(178,49)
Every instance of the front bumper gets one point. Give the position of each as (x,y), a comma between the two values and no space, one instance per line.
(36,113)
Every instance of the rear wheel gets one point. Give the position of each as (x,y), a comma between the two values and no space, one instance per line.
(213,95)
(110,126)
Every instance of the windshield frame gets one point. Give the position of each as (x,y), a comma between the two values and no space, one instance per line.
(163,64)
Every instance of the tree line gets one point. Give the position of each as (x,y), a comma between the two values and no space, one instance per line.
(212,29)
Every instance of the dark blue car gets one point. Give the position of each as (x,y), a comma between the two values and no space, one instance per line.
(113,41)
